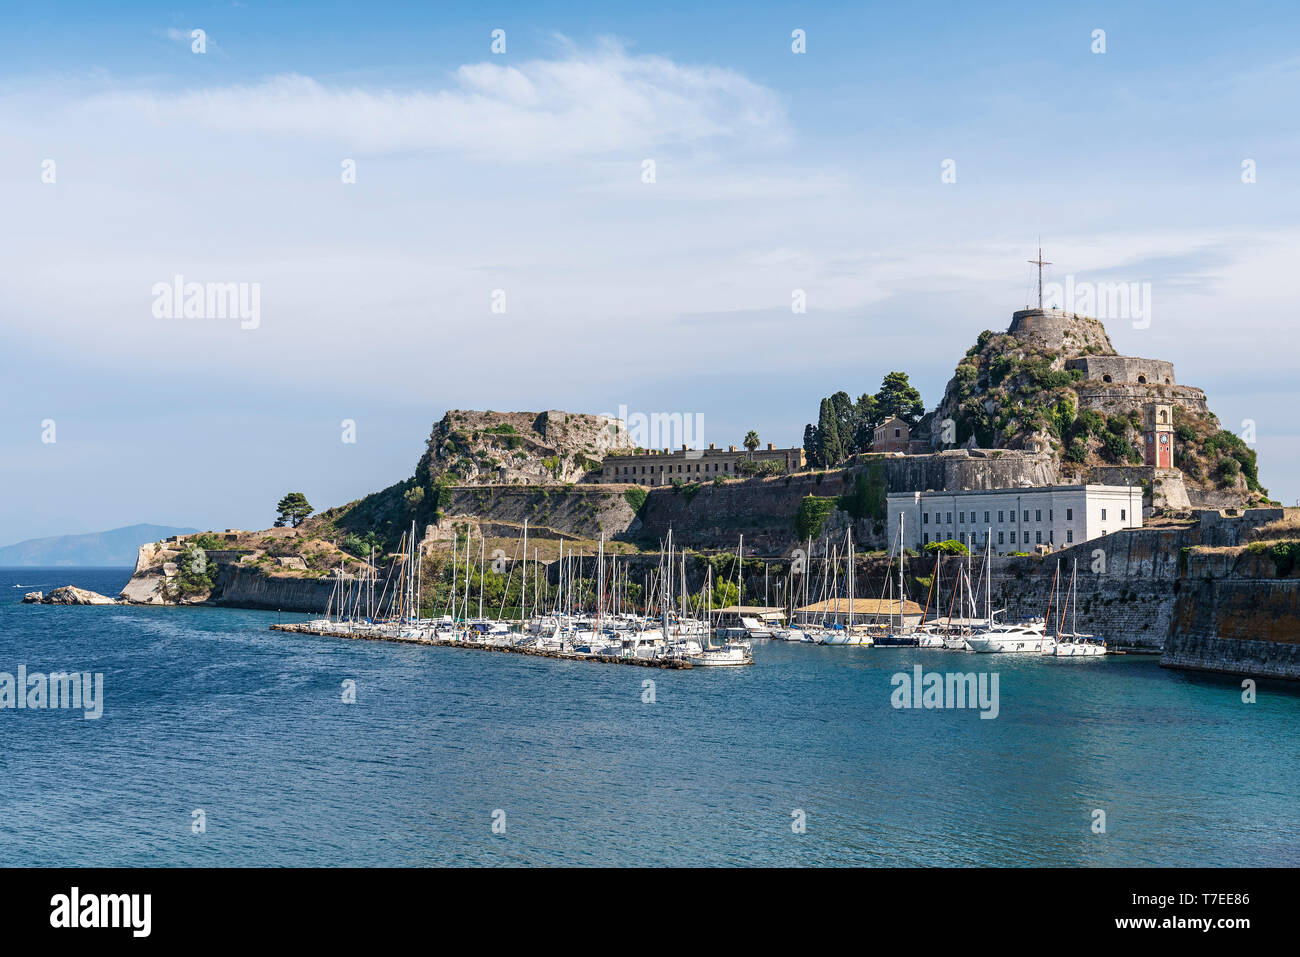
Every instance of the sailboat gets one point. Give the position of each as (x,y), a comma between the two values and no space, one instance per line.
(847,635)
(962,601)
(895,636)
(1072,644)
(733,651)
(790,632)
(932,634)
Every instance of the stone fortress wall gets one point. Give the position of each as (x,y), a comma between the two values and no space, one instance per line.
(1061,331)
(1126,369)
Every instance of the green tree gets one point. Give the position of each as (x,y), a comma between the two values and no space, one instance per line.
(812,445)
(751,440)
(194,575)
(846,422)
(725,593)
(831,450)
(292,509)
(898,397)
(949,547)
(867,420)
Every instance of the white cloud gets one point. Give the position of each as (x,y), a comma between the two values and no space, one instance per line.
(597,102)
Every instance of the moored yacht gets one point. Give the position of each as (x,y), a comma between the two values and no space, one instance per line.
(1009,637)
(1004,636)
(732,653)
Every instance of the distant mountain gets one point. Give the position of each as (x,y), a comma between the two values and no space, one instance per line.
(114,548)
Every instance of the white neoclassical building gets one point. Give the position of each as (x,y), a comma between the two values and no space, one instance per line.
(1018,519)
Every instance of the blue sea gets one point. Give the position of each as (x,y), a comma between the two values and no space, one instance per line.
(207,710)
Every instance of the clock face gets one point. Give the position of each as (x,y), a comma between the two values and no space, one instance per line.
(1164,439)
(1150,438)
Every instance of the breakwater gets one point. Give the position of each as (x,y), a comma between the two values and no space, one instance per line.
(305,628)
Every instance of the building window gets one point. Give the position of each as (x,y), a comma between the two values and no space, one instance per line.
(926,538)
(950,513)
(1013,534)
(999,533)
(1049,515)
(1103,511)
(1123,513)
(1069,532)
(986,514)
(1038,515)
(961,518)
(1069,512)
(1026,515)
(1000,518)
(1038,538)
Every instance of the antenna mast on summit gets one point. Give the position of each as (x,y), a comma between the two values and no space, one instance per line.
(1040,264)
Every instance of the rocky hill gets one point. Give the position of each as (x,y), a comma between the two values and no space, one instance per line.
(519,448)
(1053,383)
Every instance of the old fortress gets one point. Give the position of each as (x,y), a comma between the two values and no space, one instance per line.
(1016,497)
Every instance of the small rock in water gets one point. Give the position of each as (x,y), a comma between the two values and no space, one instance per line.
(69,595)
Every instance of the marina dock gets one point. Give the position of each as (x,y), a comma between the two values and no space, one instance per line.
(305,628)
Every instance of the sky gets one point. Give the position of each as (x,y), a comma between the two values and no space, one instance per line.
(501,248)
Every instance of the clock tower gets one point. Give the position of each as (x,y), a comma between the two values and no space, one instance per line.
(1158,440)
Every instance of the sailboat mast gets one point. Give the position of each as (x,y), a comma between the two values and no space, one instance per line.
(900,573)
(468,563)
(1074,605)
(807,573)
(600,579)
(684,596)
(988,580)
(740,572)
(851,577)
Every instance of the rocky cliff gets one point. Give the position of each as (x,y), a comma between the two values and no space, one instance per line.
(222,567)
(518,448)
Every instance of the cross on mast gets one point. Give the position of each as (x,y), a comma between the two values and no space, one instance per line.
(1040,263)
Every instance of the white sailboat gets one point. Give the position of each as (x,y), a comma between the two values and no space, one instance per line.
(1072,644)
(790,632)
(733,652)
(957,634)
(846,635)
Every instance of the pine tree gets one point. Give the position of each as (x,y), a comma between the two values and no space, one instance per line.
(898,397)
(293,508)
